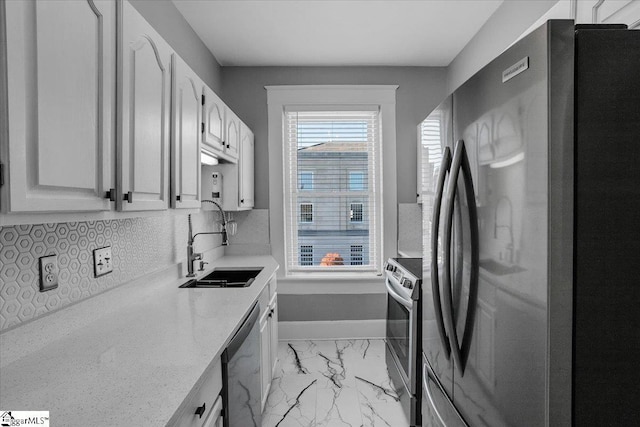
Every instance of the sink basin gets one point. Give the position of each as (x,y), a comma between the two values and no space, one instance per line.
(499,269)
(230,277)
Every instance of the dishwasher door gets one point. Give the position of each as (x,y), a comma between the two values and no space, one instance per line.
(241,375)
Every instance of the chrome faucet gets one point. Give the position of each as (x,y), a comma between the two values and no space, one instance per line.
(193,256)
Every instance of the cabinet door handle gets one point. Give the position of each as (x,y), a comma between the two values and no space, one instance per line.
(241,200)
(128,197)
(200,409)
(178,198)
(111,195)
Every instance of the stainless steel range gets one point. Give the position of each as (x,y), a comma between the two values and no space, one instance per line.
(403,342)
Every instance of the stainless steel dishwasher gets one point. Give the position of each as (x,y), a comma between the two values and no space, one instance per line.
(241,375)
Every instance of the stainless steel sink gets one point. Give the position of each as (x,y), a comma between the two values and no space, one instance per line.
(230,277)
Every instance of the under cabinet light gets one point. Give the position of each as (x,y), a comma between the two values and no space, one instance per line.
(208,159)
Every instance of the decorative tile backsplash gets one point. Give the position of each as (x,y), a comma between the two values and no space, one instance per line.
(410,227)
(252,237)
(139,246)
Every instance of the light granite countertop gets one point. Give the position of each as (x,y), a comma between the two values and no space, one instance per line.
(129,356)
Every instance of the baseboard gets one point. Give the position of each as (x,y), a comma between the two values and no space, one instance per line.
(331,329)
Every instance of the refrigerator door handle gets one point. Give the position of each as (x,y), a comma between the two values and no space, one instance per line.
(465,348)
(445,167)
(426,375)
(461,162)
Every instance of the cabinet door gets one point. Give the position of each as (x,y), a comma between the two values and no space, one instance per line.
(60,82)
(246,165)
(274,334)
(213,118)
(143,161)
(185,131)
(265,355)
(233,134)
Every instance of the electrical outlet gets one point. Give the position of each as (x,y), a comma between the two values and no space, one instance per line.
(102,261)
(48,272)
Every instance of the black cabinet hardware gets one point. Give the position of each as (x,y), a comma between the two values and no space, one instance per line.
(200,409)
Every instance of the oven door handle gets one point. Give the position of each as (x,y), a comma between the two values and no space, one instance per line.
(396,296)
(445,166)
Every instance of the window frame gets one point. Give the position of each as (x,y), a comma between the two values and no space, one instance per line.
(349,175)
(332,98)
(300,221)
(312,180)
(351,252)
(351,220)
(306,254)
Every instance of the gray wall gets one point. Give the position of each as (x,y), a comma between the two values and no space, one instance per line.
(293,308)
(420,90)
(165,18)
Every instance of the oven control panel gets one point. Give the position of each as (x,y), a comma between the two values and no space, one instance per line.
(403,277)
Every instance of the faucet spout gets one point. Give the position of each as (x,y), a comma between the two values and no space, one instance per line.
(193,256)
(225,237)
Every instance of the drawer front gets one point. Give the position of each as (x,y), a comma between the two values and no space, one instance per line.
(203,400)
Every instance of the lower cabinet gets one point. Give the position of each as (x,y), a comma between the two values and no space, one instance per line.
(204,407)
(268,337)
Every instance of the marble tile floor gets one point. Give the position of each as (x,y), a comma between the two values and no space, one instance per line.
(341,383)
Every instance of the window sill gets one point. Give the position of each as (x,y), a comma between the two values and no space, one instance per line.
(359,277)
(323,284)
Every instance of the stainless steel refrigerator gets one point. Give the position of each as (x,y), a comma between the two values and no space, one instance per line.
(531,281)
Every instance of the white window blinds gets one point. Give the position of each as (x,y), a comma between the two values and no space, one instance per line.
(431,153)
(332,163)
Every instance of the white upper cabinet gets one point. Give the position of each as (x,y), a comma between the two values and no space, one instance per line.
(145,82)
(221,128)
(237,178)
(60,82)
(232,137)
(214,126)
(185,135)
(246,167)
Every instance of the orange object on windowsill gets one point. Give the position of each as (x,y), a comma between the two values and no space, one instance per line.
(331,259)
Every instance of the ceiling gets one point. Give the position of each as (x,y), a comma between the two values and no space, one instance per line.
(336,32)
